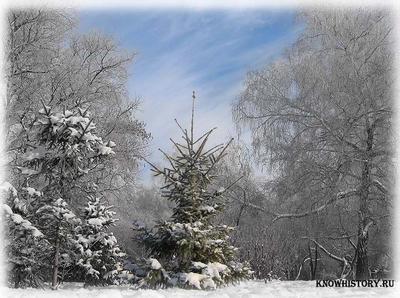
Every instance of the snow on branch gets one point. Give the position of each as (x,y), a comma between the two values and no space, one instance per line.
(380,186)
(21,222)
(347,267)
(338,197)
(331,255)
(366,228)
(305,259)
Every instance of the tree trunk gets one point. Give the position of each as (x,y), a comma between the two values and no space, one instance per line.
(239,215)
(311,261)
(314,273)
(362,266)
(18,278)
(56,264)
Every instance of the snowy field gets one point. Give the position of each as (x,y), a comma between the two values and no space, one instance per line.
(246,289)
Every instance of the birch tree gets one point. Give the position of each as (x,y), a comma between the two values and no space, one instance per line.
(321,118)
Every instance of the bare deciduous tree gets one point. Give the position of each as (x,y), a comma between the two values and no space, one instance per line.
(321,116)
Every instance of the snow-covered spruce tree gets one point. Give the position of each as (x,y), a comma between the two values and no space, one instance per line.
(101,256)
(193,252)
(28,213)
(62,149)
(25,243)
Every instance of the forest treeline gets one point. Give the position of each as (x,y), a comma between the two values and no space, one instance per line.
(309,198)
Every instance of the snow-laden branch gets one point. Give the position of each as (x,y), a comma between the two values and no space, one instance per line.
(345,263)
(305,259)
(338,197)
(380,186)
(331,255)
(366,228)
(21,222)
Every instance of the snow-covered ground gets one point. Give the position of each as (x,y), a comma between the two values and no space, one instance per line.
(249,289)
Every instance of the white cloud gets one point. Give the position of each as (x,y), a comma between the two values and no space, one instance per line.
(182,51)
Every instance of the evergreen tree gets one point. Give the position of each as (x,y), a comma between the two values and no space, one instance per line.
(100,253)
(193,251)
(25,243)
(62,149)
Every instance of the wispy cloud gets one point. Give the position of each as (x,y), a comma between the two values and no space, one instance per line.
(181,51)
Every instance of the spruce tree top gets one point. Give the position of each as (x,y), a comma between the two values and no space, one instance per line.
(190,173)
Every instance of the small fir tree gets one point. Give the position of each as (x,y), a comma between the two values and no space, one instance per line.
(194,252)
(101,256)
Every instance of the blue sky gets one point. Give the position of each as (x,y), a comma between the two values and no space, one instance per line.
(180,51)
